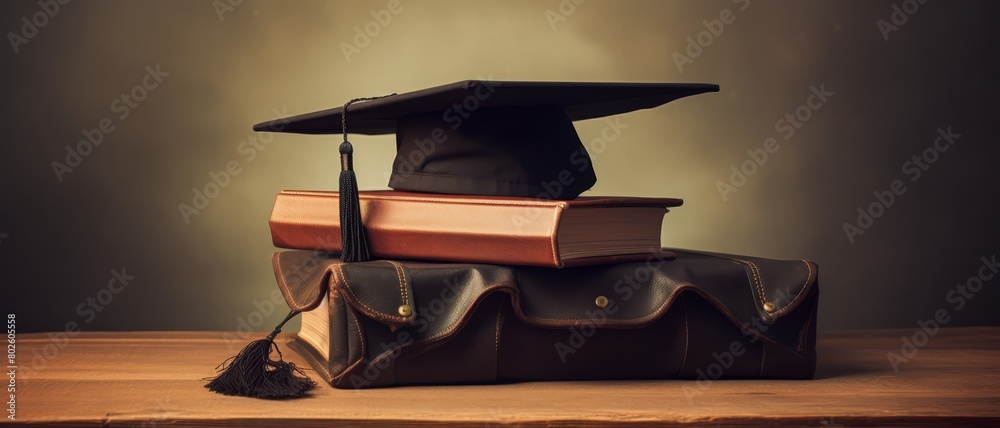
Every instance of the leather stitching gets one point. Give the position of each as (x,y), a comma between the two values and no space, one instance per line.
(402,281)
(460,321)
(292,303)
(760,287)
(496,341)
(758,281)
(348,288)
(290,300)
(464,318)
(355,298)
(361,336)
(665,303)
(809,277)
(654,311)
(753,270)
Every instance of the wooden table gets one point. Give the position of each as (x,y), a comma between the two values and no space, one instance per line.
(153,378)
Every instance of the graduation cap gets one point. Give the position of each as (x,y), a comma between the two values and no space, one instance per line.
(490,137)
(473,137)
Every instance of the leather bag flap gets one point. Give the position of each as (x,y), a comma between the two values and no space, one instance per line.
(624,295)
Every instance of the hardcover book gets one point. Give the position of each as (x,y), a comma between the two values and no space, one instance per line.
(478,229)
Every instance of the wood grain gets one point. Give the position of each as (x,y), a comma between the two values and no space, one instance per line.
(154,378)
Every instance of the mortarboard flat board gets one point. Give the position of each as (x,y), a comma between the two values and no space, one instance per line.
(490,137)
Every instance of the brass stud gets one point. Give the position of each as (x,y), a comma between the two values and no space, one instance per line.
(768,306)
(405,311)
(601,301)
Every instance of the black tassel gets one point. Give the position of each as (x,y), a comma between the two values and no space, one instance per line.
(354,243)
(252,372)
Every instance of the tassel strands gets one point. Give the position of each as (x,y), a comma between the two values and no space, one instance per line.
(252,372)
(354,243)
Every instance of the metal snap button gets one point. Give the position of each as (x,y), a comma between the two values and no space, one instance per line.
(405,311)
(601,301)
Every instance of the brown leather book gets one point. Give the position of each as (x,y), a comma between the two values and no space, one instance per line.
(478,229)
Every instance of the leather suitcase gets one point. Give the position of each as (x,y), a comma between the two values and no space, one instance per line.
(689,315)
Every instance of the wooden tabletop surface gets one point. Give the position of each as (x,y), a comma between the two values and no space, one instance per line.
(154,379)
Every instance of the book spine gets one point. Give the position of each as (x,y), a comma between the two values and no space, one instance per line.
(424,230)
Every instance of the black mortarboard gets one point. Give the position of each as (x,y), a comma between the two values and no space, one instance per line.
(490,137)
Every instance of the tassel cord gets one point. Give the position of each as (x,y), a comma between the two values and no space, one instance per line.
(354,243)
(274,333)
